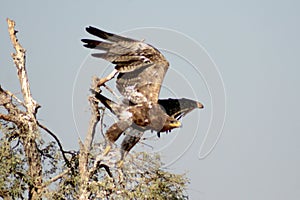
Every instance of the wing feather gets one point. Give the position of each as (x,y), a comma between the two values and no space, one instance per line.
(142,67)
(178,108)
(105,35)
(95,44)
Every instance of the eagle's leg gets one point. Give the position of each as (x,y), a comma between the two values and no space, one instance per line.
(109,77)
(128,143)
(123,155)
(113,133)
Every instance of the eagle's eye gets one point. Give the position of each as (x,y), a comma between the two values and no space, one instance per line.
(175,123)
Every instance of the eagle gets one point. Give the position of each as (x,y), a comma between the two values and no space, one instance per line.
(140,70)
(174,108)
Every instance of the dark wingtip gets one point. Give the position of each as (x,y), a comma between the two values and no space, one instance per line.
(91,44)
(87,43)
(85,40)
(97,32)
(91,29)
(106,35)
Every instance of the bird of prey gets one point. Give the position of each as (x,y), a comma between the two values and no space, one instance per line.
(141,69)
(174,108)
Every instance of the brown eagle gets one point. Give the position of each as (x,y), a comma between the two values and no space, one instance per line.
(174,108)
(141,69)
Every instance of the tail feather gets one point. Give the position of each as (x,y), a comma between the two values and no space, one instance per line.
(111,105)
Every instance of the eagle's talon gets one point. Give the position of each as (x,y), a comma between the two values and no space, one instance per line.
(120,163)
(158,134)
(106,150)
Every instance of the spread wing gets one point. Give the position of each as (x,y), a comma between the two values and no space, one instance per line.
(178,108)
(141,67)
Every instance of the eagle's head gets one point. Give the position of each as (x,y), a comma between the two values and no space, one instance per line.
(170,123)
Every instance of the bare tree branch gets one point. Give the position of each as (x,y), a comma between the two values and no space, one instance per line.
(59,176)
(20,59)
(16,98)
(83,171)
(95,117)
(58,143)
(86,147)
(14,113)
(26,121)
(97,165)
(8,118)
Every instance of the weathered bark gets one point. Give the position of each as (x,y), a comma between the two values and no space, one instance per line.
(22,113)
(27,124)
(86,147)
(25,120)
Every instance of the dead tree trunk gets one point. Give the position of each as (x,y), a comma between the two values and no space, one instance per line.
(85,148)
(25,120)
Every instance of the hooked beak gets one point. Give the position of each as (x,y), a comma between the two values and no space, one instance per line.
(176,124)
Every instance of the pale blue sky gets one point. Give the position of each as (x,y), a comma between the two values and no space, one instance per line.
(255,45)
